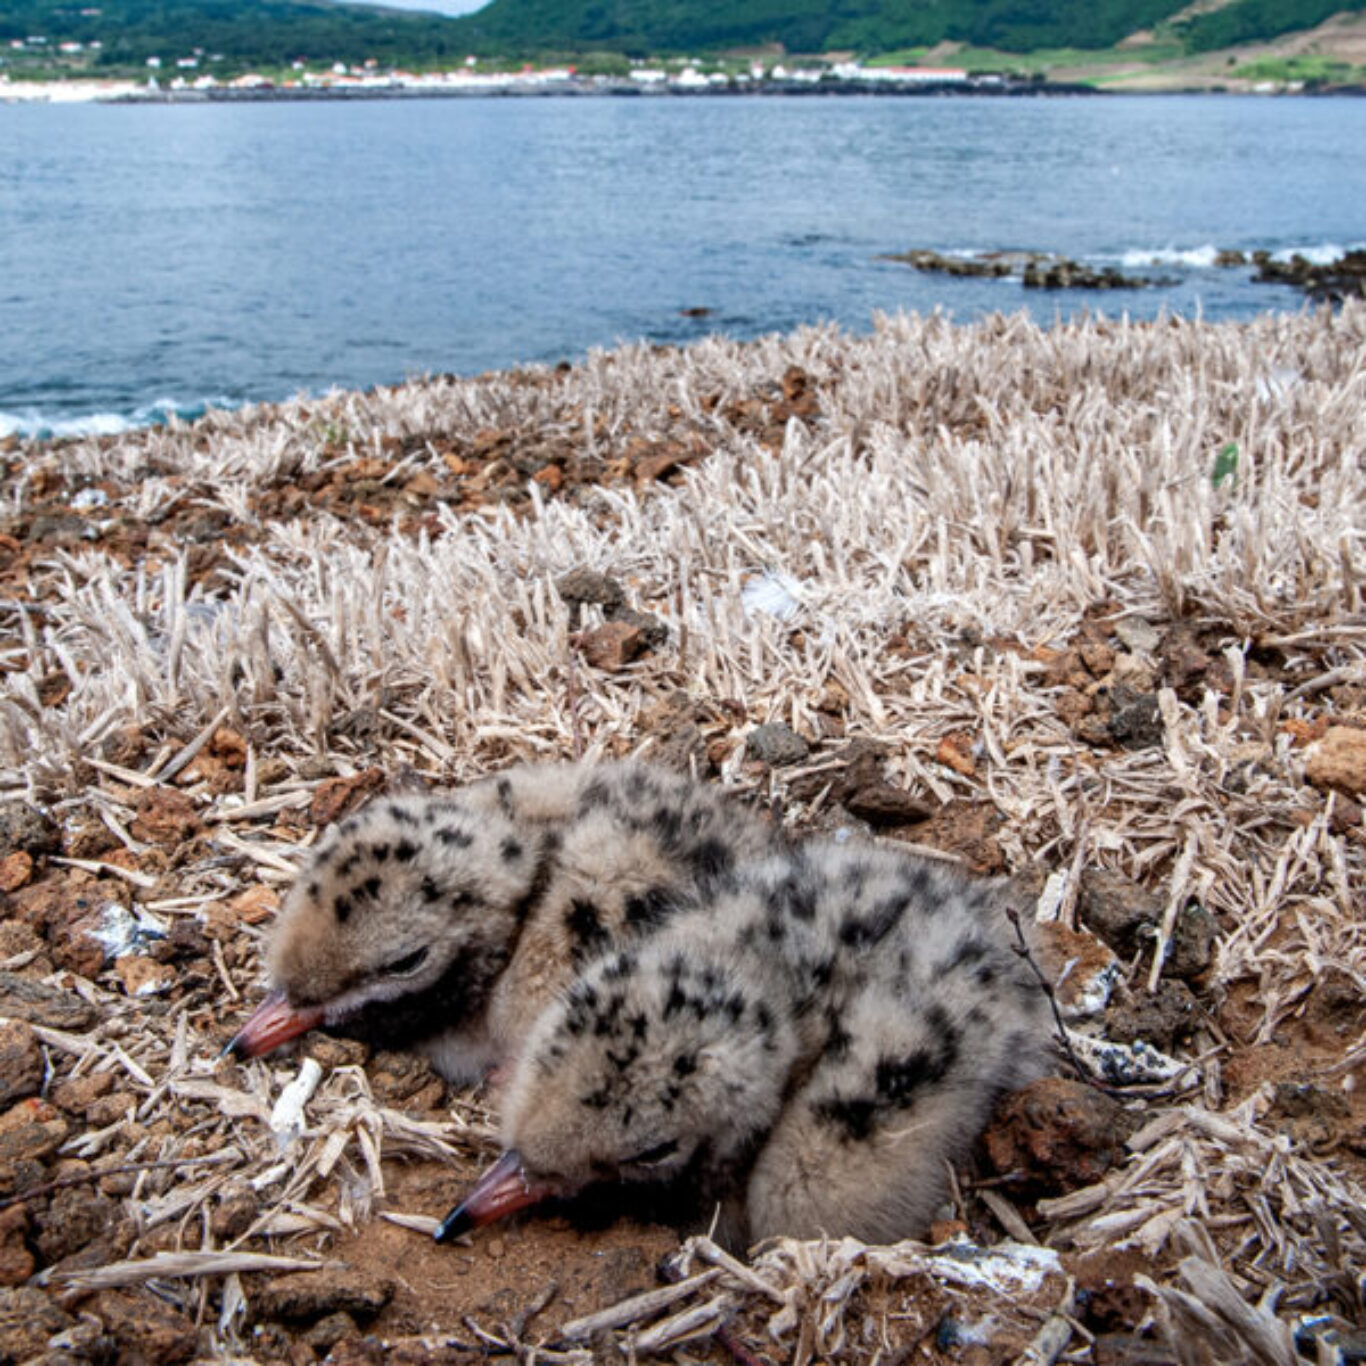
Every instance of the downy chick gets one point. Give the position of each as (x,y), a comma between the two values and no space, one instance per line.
(810,1054)
(448,923)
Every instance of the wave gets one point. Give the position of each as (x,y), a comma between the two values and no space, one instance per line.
(1206,257)
(1198,258)
(32,422)
(1322,255)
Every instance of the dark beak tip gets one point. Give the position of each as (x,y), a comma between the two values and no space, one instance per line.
(456,1223)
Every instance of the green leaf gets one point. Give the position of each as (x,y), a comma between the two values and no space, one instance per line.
(1226,464)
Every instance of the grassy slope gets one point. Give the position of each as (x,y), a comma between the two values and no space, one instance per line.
(806,25)
(1331,54)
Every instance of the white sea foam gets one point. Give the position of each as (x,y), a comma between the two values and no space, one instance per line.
(1322,255)
(30,422)
(34,423)
(1206,257)
(1198,258)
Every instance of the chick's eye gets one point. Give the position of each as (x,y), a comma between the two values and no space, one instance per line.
(652,1157)
(408,964)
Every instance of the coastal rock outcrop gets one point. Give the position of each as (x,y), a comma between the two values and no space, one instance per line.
(1036,269)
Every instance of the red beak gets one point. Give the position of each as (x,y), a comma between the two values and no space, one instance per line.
(275,1022)
(502,1190)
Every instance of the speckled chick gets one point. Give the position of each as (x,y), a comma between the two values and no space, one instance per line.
(448,923)
(811,1053)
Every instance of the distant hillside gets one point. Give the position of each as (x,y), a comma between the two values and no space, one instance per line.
(276,32)
(645,26)
(1247,21)
(260,32)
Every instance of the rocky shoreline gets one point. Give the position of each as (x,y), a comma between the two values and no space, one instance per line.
(1326,282)
(1080,606)
(520,87)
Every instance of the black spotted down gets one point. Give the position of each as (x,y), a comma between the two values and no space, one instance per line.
(852,1117)
(650,908)
(587,936)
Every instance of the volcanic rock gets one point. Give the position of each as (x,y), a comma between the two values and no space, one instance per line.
(1058,1134)
(21,1062)
(310,1295)
(775,744)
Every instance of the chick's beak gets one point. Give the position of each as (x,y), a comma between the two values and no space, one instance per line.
(275,1022)
(502,1190)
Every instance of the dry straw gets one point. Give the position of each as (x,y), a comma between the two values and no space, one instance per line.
(970,491)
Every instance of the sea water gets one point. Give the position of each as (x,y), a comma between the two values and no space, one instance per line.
(155,259)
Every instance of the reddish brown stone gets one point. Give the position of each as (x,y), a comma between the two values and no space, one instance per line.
(663,462)
(21,1062)
(77,1216)
(38,1003)
(165,816)
(551,477)
(16,1261)
(955,752)
(338,797)
(1339,761)
(882,804)
(145,1328)
(236,1211)
(28,1318)
(1162,1018)
(1073,706)
(25,827)
(228,747)
(254,905)
(30,1131)
(310,1295)
(144,976)
(1346,815)
(125,746)
(78,1094)
(1081,968)
(18,937)
(1123,912)
(110,1109)
(612,646)
(1057,1135)
(15,870)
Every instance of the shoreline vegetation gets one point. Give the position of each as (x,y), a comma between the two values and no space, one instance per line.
(1081,605)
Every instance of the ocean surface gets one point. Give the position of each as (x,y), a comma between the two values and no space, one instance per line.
(161,258)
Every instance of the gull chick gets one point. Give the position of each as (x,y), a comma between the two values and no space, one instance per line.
(810,1052)
(448,923)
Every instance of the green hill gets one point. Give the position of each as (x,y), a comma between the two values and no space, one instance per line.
(276,32)
(642,26)
(245,32)
(1247,21)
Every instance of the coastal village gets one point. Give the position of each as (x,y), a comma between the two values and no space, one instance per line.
(183,80)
